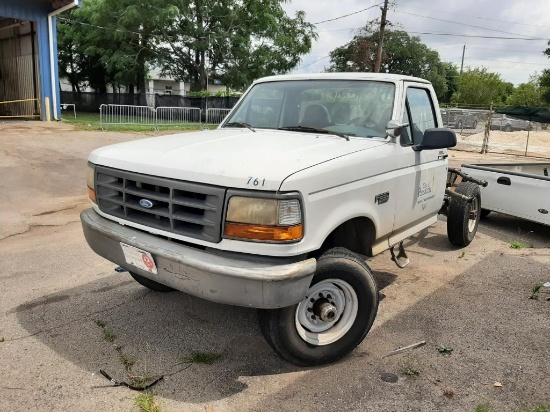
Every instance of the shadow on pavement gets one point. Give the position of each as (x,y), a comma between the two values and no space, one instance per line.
(160,331)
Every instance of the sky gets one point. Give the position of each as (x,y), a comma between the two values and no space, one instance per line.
(481,25)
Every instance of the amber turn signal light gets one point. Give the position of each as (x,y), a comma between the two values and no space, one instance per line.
(263,233)
(91,195)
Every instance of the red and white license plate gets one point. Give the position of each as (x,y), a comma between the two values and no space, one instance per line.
(139,258)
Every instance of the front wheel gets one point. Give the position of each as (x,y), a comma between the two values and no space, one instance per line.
(463,217)
(332,319)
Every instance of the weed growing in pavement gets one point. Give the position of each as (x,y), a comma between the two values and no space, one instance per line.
(538,409)
(483,408)
(462,255)
(535,292)
(100,323)
(146,402)
(518,244)
(203,357)
(128,361)
(411,371)
(445,350)
(109,336)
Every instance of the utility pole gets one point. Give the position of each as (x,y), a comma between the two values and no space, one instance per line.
(462,62)
(378,61)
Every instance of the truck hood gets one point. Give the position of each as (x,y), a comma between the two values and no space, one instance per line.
(230,158)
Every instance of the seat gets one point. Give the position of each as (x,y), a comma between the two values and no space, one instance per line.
(316,115)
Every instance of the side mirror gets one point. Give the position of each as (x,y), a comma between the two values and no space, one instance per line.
(394,128)
(436,139)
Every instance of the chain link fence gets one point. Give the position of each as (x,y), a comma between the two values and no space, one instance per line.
(483,131)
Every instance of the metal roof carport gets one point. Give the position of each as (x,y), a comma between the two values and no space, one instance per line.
(40,14)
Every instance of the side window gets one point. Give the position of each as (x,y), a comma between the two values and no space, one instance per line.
(420,113)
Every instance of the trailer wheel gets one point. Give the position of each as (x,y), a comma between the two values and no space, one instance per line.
(332,319)
(151,284)
(463,217)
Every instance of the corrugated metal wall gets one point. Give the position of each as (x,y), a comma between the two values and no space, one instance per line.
(19,80)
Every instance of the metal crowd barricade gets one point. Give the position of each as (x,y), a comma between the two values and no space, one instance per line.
(216,116)
(110,114)
(173,116)
(67,105)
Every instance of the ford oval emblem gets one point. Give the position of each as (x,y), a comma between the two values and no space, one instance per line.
(146,203)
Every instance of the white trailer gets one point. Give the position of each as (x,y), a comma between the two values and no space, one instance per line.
(516,189)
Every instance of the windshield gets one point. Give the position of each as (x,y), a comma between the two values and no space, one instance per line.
(350,107)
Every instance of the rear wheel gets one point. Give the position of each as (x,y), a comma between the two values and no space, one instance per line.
(151,284)
(463,217)
(332,319)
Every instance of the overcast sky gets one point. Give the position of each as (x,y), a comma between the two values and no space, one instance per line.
(514,59)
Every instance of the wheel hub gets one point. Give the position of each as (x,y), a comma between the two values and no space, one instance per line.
(327,312)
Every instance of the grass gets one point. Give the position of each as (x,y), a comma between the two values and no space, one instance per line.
(100,323)
(538,409)
(411,371)
(518,244)
(445,350)
(146,402)
(483,408)
(107,334)
(203,357)
(128,361)
(535,292)
(90,121)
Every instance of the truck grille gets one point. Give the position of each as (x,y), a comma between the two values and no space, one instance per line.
(188,209)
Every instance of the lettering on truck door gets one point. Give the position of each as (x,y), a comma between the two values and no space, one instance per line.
(424,173)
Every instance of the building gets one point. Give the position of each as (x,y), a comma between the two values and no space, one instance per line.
(29,80)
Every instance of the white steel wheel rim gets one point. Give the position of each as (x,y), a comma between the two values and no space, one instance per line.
(318,332)
(473,215)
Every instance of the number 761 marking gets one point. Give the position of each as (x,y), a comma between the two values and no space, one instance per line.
(255,181)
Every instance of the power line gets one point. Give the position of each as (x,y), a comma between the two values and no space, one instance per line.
(347,15)
(462,24)
(475,17)
(477,36)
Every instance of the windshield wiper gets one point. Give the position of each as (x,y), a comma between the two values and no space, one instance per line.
(239,124)
(313,129)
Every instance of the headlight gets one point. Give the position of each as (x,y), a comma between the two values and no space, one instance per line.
(264,219)
(90,182)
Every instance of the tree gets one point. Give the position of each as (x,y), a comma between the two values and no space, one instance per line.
(478,87)
(235,42)
(402,54)
(544,82)
(109,42)
(527,94)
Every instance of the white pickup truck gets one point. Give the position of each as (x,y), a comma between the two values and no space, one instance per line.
(277,208)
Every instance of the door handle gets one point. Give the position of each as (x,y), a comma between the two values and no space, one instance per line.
(502,180)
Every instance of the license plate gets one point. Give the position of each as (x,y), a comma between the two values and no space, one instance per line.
(139,258)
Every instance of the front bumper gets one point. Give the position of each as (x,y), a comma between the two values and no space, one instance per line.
(199,273)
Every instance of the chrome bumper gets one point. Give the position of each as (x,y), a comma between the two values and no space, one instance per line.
(199,273)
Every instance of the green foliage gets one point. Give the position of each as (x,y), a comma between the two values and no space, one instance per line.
(146,402)
(478,87)
(527,94)
(544,83)
(235,42)
(115,42)
(203,357)
(402,54)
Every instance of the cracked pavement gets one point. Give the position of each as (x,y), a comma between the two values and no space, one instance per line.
(54,289)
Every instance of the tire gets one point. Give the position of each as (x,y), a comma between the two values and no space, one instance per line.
(507,128)
(484,213)
(463,217)
(151,284)
(343,279)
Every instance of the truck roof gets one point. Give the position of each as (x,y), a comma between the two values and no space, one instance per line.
(343,76)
